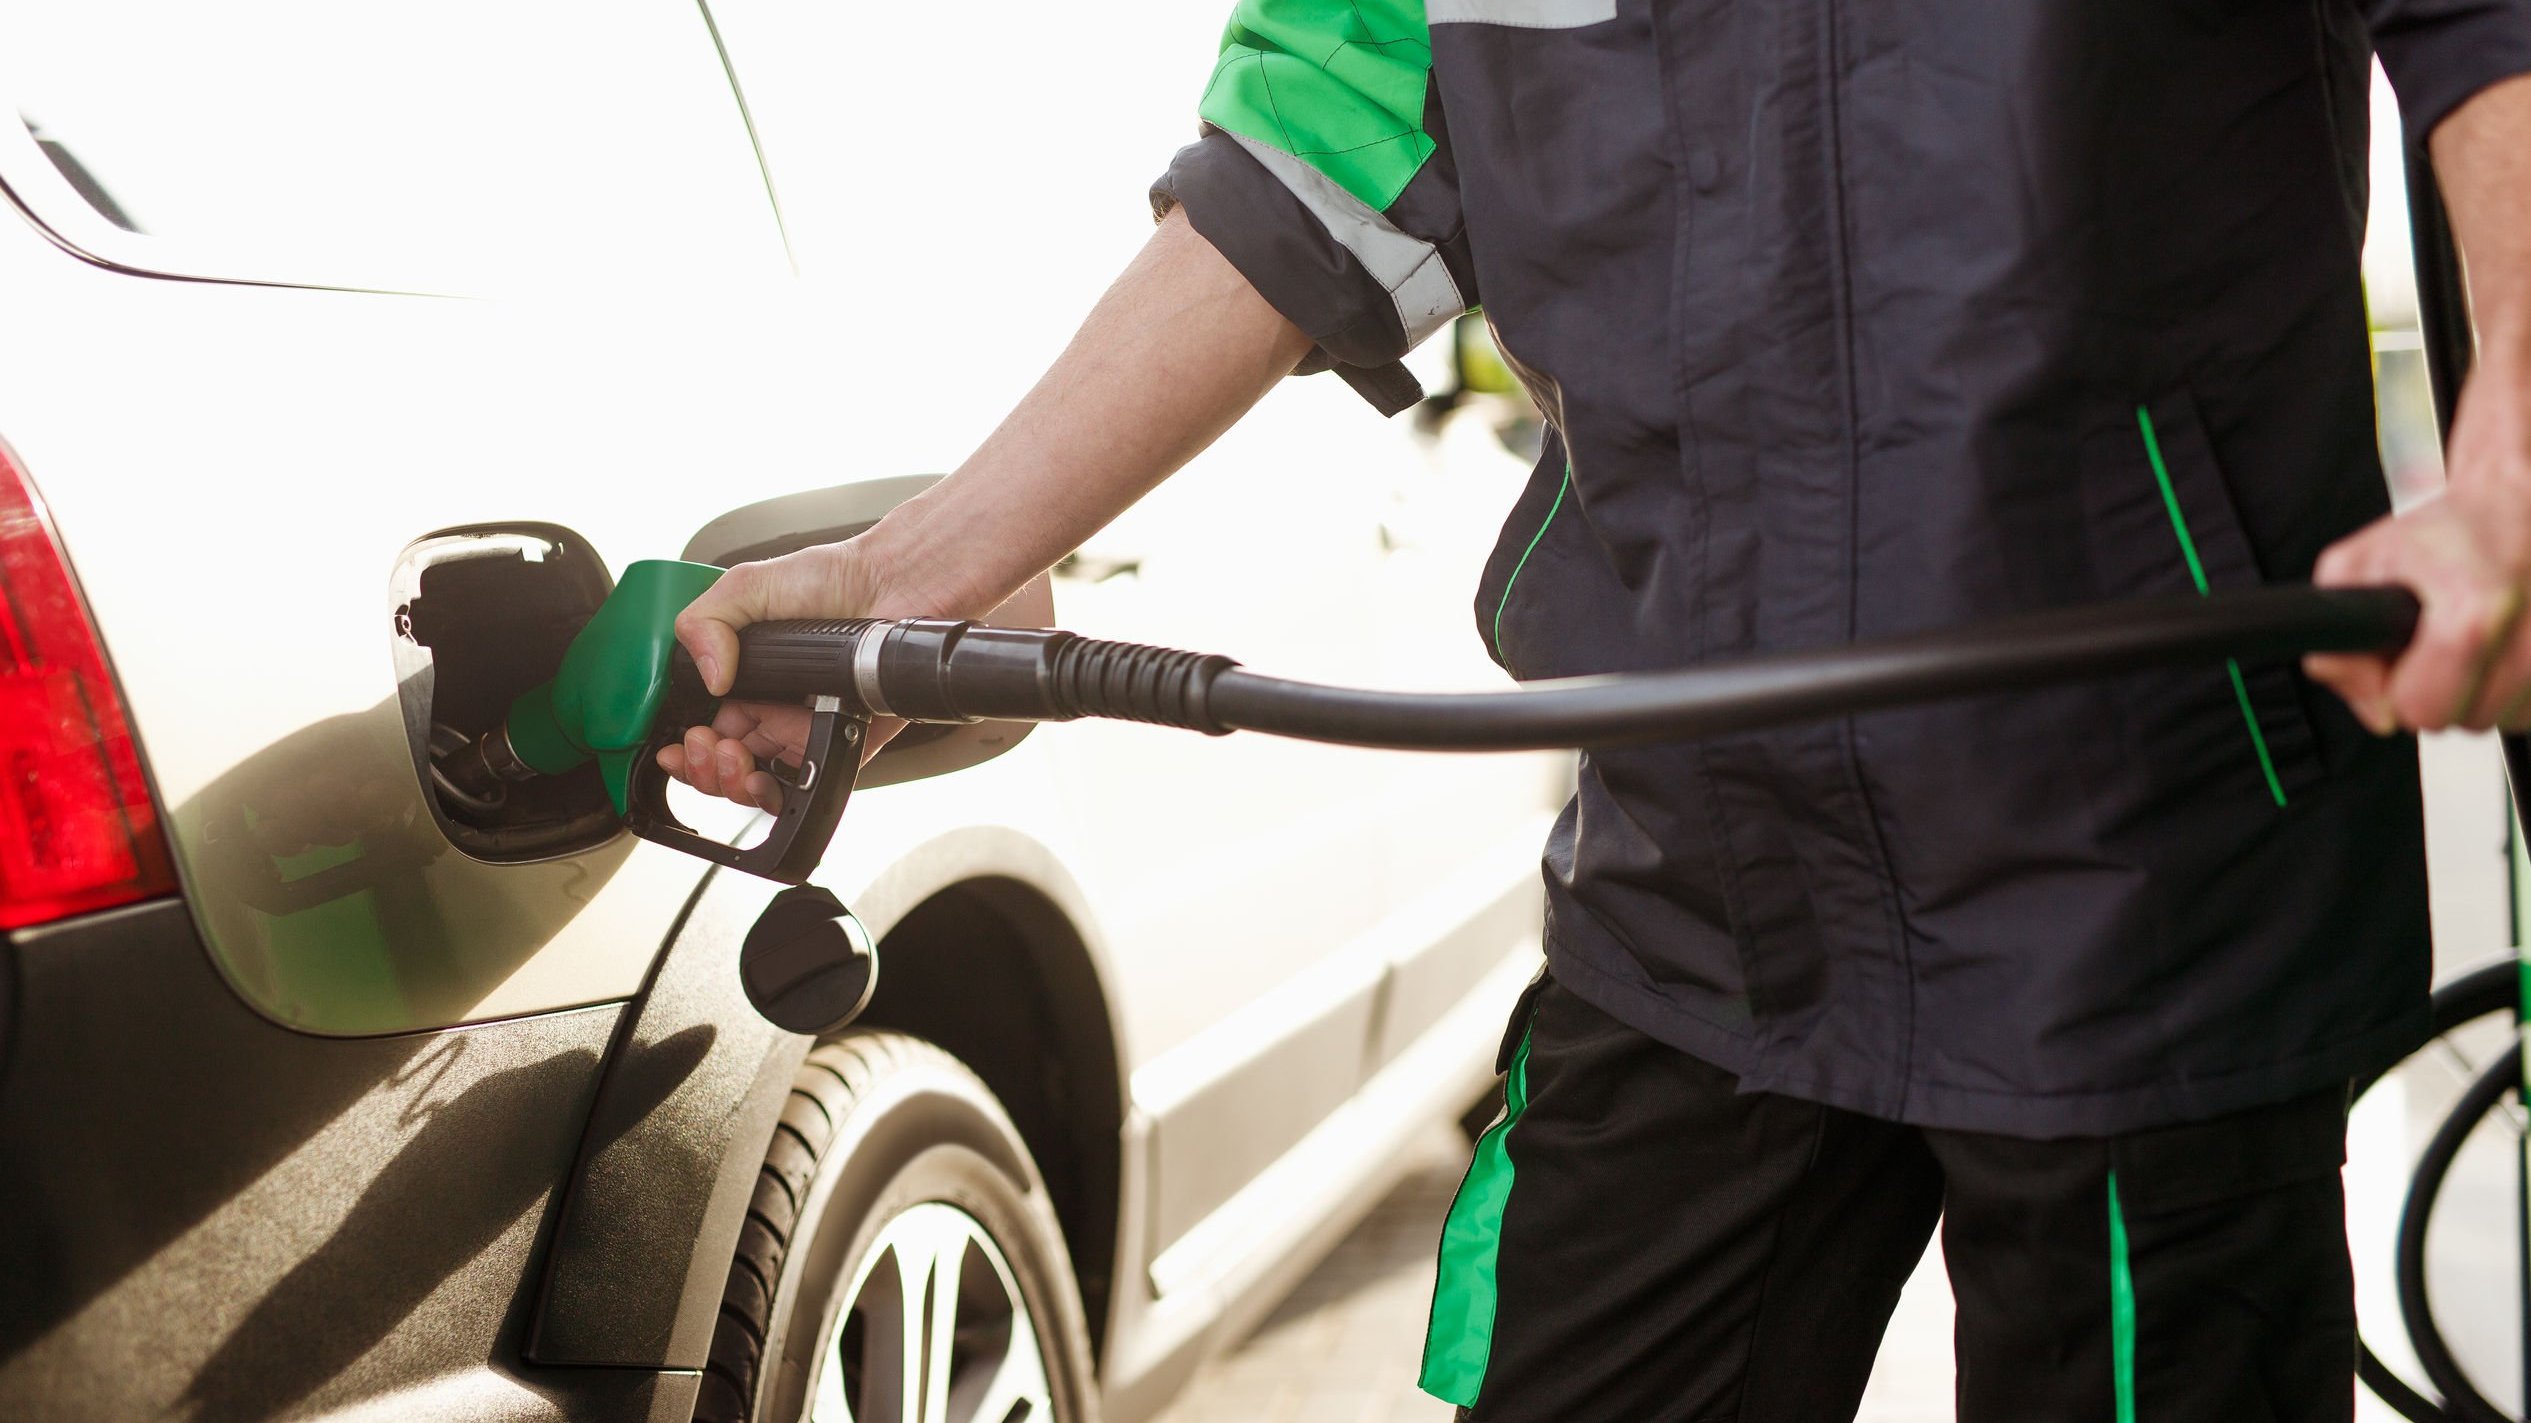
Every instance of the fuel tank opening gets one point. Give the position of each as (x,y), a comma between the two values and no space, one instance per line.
(481,614)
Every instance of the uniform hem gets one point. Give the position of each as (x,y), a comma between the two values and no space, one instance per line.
(1648,1013)
(2037,1116)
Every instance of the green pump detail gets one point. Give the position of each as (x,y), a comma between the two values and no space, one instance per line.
(606,697)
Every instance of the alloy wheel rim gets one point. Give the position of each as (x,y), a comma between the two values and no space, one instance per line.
(934,1329)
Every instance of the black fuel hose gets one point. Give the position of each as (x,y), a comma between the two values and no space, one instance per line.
(2484,992)
(940,671)
(1780,688)
(2462,1402)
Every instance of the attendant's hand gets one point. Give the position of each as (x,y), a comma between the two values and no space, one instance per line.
(726,758)
(2467,556)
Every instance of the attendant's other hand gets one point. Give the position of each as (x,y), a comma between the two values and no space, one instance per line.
(2467,556)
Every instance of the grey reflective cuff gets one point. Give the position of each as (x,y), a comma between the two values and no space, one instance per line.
(1521,14)
(1407,267)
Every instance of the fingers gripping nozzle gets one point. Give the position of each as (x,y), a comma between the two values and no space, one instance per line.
(849,670)
(813,796)
(625,691)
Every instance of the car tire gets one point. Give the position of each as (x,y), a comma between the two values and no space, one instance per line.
(892,1168)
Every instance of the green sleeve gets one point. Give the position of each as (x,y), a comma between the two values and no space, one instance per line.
(1338,84)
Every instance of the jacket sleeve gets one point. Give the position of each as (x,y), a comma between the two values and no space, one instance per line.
(1323,173)
(2439,53)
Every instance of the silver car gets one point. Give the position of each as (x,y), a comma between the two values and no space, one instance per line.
(346,352)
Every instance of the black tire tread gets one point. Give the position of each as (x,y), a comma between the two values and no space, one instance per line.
(830,1079)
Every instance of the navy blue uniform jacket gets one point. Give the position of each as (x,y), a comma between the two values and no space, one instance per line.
(1862,317)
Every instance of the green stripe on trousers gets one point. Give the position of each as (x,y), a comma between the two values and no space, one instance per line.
(1460,1337)
(2122,1310)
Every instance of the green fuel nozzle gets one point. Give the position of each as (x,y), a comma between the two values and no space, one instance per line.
(605,699)
(625,689)
(603,703)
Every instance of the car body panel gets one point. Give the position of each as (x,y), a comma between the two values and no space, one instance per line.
(547,172)
(291,1223)
(642,1237)
(1222,1278)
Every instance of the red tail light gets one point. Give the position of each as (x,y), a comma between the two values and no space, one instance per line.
(77,831)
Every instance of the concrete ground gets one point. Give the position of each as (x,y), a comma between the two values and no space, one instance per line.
(1344,1347)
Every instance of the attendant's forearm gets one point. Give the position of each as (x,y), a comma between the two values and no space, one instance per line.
(1178,349)
(2482,159)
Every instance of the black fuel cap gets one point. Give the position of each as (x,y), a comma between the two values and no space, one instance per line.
(808,965)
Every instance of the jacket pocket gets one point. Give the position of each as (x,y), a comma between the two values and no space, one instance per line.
(2165,523)
(1501,619)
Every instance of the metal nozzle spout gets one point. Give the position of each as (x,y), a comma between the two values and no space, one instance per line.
(475,774)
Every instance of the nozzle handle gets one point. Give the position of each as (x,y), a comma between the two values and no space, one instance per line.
(950,671)
(813,799)
(791,661)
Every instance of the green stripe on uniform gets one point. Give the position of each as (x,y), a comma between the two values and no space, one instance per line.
(1460,1337)
(2170,499)
(2122,1310)
(2197,573)
(1543,524)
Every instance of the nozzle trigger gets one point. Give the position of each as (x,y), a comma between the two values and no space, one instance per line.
(813,799)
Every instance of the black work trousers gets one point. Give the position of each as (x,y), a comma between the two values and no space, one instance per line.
(1639,1242)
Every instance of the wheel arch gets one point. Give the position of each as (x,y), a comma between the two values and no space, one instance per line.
(997,961)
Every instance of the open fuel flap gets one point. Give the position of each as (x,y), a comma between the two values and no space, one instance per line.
(483,613)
